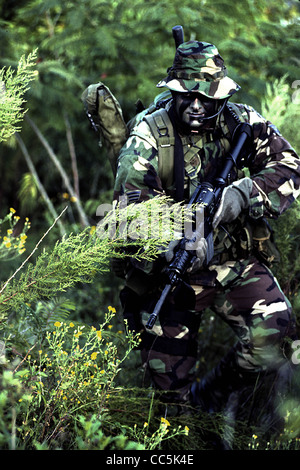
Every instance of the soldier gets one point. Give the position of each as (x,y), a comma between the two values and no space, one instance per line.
(237,284)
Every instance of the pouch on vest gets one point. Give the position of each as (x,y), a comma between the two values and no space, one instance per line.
(248,238)
(105,112)
(263,243)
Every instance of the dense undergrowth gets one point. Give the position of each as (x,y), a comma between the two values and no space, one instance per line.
(71,376)
(73,390)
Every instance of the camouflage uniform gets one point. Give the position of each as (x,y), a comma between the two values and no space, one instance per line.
(237,285)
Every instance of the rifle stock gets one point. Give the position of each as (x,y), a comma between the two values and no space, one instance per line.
(206,196)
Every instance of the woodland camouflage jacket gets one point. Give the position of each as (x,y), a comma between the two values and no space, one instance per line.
(274,168)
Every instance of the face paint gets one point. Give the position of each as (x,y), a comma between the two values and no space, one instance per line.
(194,109)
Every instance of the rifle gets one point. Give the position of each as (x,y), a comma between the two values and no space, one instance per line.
(206,196)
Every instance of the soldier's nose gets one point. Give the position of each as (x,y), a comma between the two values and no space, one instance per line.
(196,104)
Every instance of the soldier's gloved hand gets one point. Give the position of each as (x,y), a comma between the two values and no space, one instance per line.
(201,249)
(169,253)
(234,199)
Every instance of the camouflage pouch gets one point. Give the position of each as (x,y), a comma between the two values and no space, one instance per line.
(264,247)
(105,112)
(251,237)
(245,241)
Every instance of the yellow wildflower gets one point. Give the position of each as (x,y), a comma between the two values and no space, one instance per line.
(57,324)
(12,210)
(111,309)
(99,334)
(164,421)
(94,356)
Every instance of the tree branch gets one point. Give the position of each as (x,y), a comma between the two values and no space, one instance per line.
(82,215)
(39,183)
(72,154)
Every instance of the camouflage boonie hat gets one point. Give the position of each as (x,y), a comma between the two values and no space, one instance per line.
(199,67)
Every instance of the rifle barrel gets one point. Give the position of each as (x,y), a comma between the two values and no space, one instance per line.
(158,306)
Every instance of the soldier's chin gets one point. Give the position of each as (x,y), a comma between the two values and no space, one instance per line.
(200,125)
(196,123)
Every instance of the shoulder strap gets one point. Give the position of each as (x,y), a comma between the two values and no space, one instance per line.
(163,132)
(170,151)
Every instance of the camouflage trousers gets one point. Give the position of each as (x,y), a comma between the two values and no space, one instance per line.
(255,308)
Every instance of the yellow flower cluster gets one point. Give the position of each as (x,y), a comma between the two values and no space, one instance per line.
(81,362)
(164,421)
(67,196)
(164,432)
(12,245)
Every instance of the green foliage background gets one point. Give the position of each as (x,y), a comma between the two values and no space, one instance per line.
(129,46)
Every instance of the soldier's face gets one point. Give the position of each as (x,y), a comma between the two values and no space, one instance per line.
(191,108)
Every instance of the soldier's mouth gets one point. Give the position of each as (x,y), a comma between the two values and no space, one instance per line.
(196,116)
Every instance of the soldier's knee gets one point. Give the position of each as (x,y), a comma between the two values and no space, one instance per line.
(269,343)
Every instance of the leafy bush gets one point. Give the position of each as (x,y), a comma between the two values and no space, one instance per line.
(67,384)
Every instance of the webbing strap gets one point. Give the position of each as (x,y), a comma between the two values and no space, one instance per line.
(179,170)
(162,130)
